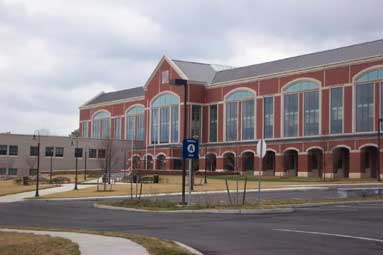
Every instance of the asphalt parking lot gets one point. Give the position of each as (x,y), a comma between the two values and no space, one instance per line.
(340,229)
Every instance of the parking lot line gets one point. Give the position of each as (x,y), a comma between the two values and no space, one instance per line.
(330,234)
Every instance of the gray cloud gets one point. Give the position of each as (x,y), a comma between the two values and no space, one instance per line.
(56,54)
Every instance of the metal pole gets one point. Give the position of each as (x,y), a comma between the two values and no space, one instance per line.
(86,157)
(379,145)
(75,181)
(38,169)
(260,169)
(185,136)
(190,182)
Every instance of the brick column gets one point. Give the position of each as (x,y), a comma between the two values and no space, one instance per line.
(279,165)
(202,164)
(219,162)
(303,168)
(328,165)
(355,165)
(256,165)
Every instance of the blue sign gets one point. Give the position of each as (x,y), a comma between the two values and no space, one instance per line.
(190,149)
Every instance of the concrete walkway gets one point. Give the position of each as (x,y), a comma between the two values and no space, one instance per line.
(90,244)
(21,196)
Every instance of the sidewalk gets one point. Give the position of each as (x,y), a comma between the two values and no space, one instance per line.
(21,196)
(90,244)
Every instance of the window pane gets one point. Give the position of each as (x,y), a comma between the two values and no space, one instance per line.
(85,129)
(336,110)
(96,128)
(3,149)
(92,153)
(164,125)
(49,151)
(59,152)
(105,128)
(248,120)
(154,126)
(311,113)
(213,124)
(364,107)
(268,117)
(196,121)
(13,150)
(231,121)
(3,171)
(12,171)
(291,115)
(130,126)
(140,127)
(174,124)
(117,128)
(34,151)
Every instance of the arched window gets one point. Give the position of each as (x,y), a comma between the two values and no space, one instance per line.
(164,119)
(229,162)
(244,100)
(364,97)
(101,125)
(135,123)
(311,115)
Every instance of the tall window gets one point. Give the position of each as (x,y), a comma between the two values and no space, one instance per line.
(3,149)
(244,100)
(135,123)
(117,128)
(213,123)
(311,114)
(268,103)
(364,107)
(165,77)
(85,129)
(336,110)
(290,115)
(365,99)
(196,117)
(101,125)
(164,119)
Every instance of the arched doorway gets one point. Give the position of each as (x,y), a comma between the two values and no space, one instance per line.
(369,157)
(161,162)
(211,162)
(291,162)
(136,162)
(248,161)
(269,163)
(341,159)
(315,162)
(149,162)
(228,161)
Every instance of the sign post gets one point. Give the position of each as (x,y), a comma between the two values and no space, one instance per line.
(190,151)
(261,151)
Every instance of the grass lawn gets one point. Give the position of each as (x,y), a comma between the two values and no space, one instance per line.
(171,184)
(154,246)
(163,205)
(12,243)
(8,187)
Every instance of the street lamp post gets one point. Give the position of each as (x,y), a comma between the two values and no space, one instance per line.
(85,166)
(182,82)
(379,145)
(38,161)
(76,157)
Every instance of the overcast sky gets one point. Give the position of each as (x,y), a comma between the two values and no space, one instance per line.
(55,55)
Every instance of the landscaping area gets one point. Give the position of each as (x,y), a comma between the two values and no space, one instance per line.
(13,243)
(164,205)
(153,245)
(11,186)
(172,184)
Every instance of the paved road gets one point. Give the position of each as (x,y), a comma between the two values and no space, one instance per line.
(321,230)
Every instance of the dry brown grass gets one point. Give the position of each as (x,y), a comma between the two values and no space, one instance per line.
(8,187)
(170,184)
(12,243)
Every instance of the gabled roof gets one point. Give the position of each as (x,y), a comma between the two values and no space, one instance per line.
(343,54)
(117,95)
(201,72)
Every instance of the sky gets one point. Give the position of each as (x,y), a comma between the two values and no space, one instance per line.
(57,54)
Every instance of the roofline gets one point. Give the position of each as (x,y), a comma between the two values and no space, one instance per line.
(119,101)
(172,64)
(255,78)
(90,100)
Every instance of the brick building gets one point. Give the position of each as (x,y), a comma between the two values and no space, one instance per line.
(319,114)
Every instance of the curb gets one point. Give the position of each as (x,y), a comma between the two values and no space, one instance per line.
(188,248)
(213,211)
(336,203)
